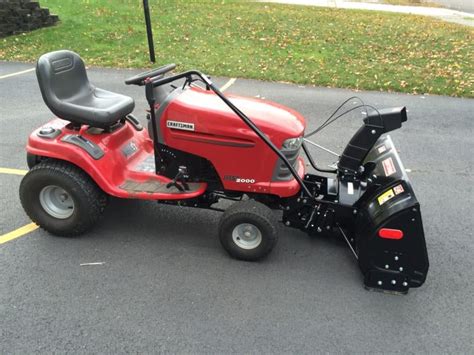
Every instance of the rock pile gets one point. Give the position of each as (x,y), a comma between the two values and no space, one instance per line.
(18,16)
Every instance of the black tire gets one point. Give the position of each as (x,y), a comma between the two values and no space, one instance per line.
(247,213)
(88,200)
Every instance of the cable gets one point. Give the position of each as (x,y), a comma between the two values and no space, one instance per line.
(327,122)
(342,114)
(331,119)
(340,106)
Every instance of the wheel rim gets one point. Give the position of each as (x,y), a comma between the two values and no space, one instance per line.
(247,236)
(56,202)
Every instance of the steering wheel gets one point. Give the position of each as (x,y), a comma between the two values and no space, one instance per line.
(139,79)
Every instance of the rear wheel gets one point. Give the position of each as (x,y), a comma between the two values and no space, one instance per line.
(61,198)
(247,230)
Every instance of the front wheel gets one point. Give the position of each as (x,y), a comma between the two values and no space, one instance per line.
(247,230)
(61,198)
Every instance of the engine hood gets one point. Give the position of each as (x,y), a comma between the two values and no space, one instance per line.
(210,115)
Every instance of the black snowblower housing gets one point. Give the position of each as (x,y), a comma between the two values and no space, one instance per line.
(372,203)
(388,231)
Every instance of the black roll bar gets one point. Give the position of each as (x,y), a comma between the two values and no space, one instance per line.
(188,75)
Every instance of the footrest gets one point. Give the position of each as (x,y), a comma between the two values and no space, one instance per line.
(155,186)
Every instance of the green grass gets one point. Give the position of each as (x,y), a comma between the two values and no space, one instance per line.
(307,45)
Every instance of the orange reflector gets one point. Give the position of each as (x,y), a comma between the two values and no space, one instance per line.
(388,233)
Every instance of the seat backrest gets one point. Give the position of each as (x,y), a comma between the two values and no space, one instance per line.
(61,75)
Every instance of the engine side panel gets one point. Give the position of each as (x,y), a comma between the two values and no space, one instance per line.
(198,122)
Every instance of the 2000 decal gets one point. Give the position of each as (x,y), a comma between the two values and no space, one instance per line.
(239,180)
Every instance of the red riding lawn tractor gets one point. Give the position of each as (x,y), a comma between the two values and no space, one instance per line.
(201,146)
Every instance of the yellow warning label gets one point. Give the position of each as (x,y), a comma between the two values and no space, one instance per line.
(387,195)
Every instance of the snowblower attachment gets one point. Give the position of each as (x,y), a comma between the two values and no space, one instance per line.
(388,229)
(387,234)
(372,204)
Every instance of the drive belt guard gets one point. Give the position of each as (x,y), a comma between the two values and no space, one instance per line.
(388,230)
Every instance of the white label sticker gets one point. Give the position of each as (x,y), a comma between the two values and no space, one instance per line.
(350,188)
(398,189)
(184,126)
(388,167)
(381,149)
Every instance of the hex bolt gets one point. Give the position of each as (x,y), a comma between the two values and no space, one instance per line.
(373,131)
(414,209)
(304,201)
(287,223)
(387,266)
(400,268)
(396,258)
(287,208)
(354,212)
(394,282)
(405,284)
(328,227)
(379,283)
(413,220)
(298,199)
(319,230)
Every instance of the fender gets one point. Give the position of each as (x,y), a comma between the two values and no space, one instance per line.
(124,147)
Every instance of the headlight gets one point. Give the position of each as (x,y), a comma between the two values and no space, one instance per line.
(293,143)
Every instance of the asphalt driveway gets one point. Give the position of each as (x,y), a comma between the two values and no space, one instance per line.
(165,285)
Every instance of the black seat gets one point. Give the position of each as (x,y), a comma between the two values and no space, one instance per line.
(68,93)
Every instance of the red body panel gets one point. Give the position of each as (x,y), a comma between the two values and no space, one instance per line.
(224,139)
(219,136)
(114,168)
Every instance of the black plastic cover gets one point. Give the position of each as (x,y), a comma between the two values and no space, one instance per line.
(376,124)
(390,264)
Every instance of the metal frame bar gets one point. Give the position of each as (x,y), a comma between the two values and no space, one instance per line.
(321,147)
(150,96)
(313,164)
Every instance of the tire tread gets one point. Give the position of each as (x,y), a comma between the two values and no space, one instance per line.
(250,209)
(96,199)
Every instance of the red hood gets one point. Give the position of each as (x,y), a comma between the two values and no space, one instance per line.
(203,108)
